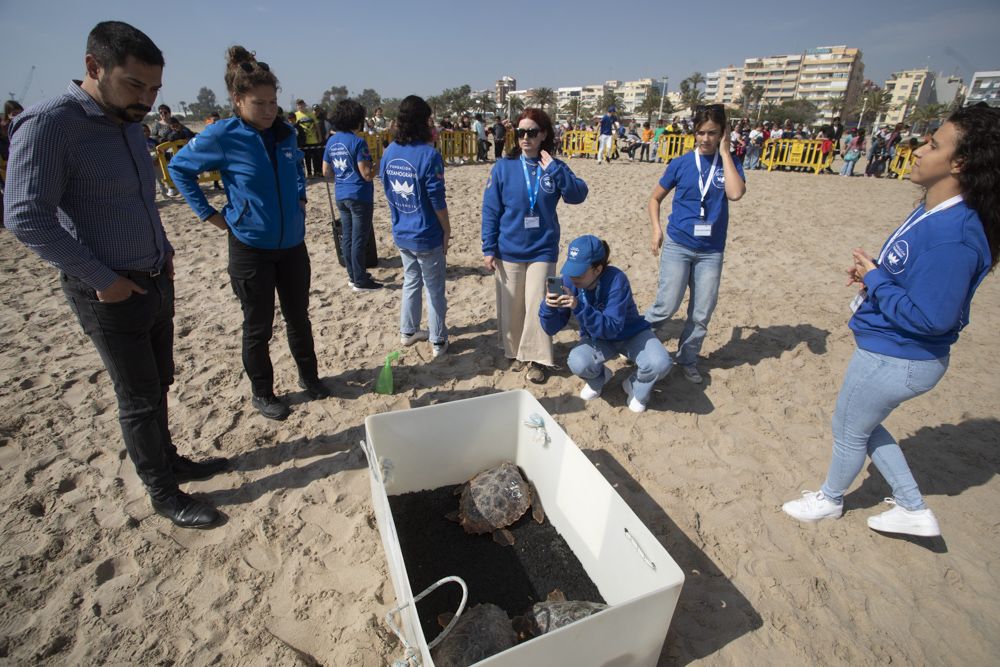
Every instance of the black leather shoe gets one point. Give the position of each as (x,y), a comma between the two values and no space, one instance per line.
(186,470)
(315,388)
(271,407)
(186,511)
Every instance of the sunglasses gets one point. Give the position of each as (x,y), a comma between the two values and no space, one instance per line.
(248,67)
(522,133)
(702,108)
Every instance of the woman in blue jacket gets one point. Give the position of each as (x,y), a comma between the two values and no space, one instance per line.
(521,237)
(261,167)
(915,297)
(706,180)
(600,298)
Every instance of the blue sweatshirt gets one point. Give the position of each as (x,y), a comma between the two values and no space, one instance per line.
(264,183)
(682,173)
(413,179)
(505,207)
(920,295)
(606,312)
(344,150)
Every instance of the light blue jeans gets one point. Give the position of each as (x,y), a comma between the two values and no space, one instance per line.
(874,385)
(586,361)
(424,269)
(682,268)
(848,168)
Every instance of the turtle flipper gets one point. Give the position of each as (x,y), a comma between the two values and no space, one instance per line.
(444,619)
(556,596)
(537,511)
(503,537)
(453,516)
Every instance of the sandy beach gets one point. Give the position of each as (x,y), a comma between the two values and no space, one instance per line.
(297,575)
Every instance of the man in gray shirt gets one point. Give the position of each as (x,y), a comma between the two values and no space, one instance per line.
(80,194)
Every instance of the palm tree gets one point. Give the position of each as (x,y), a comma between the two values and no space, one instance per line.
(184,107)
(573,108)
(836,103)
(746,97)
(608,100)
(543,98)
(696,79)
(691,97)
(515,105)
(483,102)
(925,115)
(873,104)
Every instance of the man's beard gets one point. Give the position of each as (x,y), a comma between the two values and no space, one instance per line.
(133,113)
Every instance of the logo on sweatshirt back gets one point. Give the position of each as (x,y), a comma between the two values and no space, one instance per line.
(895,259)
(340,159)
(401,179)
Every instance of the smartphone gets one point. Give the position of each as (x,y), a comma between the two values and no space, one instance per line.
(554,285)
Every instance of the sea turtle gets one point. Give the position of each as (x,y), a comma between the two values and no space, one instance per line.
(555,612)
(483,630)
(493,500)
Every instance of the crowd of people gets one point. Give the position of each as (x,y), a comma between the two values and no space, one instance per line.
(116,262)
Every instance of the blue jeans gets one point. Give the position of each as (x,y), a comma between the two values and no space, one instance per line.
(424,269)
(752,157)
(356,217)
(682,268)
(586,361)
(848,168)
(874,385)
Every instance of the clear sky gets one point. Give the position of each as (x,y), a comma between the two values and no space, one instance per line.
(400,47)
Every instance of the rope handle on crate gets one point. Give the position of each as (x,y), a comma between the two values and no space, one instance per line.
(411,653)
(642,554)
(372,462)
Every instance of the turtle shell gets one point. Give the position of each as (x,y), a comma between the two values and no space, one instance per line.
(548,616)
(494,499)
(483,630)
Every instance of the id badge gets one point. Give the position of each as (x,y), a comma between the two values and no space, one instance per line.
(702,229)
(531,221)
(859,299)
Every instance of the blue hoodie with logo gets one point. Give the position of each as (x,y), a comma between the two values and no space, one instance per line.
(506,205)
(606,312)
(413,180)
(682,173)
(263,176)
(920,294)
(343,152)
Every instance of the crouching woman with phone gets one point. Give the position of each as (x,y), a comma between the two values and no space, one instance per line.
(600,297)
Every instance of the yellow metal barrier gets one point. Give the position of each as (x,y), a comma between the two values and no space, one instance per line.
(902,162)
(580,142)
(377,142)
(172,147)
(673,146)
(806,153)
(457,145)
(509,141)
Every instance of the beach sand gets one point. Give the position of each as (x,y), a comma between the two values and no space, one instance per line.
(297,573)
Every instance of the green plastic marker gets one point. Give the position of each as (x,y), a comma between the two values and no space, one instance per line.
(383,385)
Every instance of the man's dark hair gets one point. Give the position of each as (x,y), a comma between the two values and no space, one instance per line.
(348,116)
(164,107)
(112,42)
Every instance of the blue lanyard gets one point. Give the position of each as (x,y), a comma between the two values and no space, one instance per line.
(532,194)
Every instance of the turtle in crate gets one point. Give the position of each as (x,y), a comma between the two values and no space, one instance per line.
(494,499)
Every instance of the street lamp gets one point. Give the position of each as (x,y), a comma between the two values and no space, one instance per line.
(663,94)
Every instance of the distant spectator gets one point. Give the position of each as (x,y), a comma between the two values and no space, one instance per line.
(162,125)
(313,147)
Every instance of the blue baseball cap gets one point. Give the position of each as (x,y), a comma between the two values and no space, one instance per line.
(612,108)
(583,252)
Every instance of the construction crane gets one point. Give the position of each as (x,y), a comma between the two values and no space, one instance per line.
(25,87)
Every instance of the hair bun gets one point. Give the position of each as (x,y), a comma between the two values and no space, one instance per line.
(238,54)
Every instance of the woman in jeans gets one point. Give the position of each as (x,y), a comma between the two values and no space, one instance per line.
(261,167)
(915,297)
(855,147)
(412,174)
(706,179)
(347,158)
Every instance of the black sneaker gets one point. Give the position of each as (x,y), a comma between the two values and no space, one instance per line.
(315,388)
(270,407)
(185,511)
(186,470)
(366,286)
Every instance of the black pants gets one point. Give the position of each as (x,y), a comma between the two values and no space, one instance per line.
(314,159)
(482,151)
(255,275)
(135,339)
(498,148)
(644,151)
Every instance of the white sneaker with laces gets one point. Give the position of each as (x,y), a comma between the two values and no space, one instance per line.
(691,373)
(633,403)
(439,348)
(413,338)
(813,506)
(922,523)
(589,394)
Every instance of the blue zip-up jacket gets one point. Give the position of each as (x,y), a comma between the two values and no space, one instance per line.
(413,180)
(263,210)
(505,206)
(920,295)
(607,312)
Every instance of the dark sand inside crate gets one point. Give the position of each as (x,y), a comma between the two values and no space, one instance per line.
(513,578)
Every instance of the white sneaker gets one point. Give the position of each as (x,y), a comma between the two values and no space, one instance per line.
(413,338)
(813,506)
(171,192)
(589,394)
(633,403)
(691,373)
(922,523)
(439,348)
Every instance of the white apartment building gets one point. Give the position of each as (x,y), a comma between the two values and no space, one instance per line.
(909,89)
(827,74)
(504,86)
(985,87)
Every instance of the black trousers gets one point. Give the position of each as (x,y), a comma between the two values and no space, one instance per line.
(255,275)
(313,159)
(135,339)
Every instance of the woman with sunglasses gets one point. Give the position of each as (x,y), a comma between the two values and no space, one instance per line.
(521,237)
(264,217)
(706,180)
(915,298)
